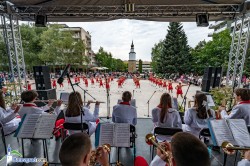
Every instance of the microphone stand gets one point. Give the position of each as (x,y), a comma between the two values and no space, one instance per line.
(78,101)
(148,103)
(108,98)
(84,93)
(184,101)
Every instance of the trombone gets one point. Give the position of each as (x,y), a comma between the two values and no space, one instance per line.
(151,140)
(230,149)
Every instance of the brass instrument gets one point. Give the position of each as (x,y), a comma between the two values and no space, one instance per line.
(230,149)
(96,153)
(151,140)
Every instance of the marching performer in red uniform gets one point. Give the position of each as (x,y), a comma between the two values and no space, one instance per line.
(54,83)
(170,86)
(101,84)
(92,81)
(86,82)
(76,79)
(179,89)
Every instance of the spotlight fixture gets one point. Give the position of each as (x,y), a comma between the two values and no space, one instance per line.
(40,20)
(202,20)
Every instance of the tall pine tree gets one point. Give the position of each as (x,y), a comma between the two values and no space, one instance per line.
(175,56)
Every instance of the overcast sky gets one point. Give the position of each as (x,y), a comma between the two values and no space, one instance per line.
(116,36)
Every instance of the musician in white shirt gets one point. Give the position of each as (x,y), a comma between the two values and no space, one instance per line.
(242,109)
(196,118)
(185,149)
(164,115)
(29,107)
(9,118)
(73,112)
(124,112)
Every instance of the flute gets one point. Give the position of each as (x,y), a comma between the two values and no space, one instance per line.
(46,101)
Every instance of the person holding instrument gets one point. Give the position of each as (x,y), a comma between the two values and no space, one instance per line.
(196,118)
(242,109)
(185,149)
(165,116)
(124,112)
(73,112)
(76,151)
(9,118)
(29,107)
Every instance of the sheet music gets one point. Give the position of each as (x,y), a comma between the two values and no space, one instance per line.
(222,132)
(64,97)
(210,101)
(107,134)
(122,135)
(28,127)
(45,126)
(239,131)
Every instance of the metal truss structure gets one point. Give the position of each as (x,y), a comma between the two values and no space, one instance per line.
(238,50)
(12,38)
(144,12)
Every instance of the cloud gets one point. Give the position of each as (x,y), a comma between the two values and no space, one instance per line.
(116,36)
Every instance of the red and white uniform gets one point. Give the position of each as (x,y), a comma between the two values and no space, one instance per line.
(31,108)
(170,86)
(179,89)
(53,83)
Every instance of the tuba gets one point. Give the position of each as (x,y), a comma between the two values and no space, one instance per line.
(151,140)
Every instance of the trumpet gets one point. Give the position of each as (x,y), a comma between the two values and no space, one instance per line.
(228,148)
(151,140)
(96,153)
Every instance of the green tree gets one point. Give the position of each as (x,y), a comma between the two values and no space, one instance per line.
(175,56)
(3,55)
(140,66)
(106,59)
(213,53)
(31,36)
(155,56)
(60,48)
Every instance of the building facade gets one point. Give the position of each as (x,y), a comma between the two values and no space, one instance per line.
(80,34)
(146,66)
(132,59)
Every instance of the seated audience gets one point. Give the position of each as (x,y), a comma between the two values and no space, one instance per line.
(73,112)
(242,109)
(29,107)
(196,118)
(76,151)
(164,115)
(124,112)
(9,118)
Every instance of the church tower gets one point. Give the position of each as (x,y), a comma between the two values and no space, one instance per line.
(132,59)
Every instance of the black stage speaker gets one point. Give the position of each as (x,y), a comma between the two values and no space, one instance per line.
(208,73)
(206,81)
(42,77)
(202,20)
(45,95)
(217,77)
(40,20)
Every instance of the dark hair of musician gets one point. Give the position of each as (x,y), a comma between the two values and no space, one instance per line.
(2,102)
(126,96)
(165,104)
(29,96)
(74,104)
(243,93)
(200,108)
(188,150)
(74,149)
